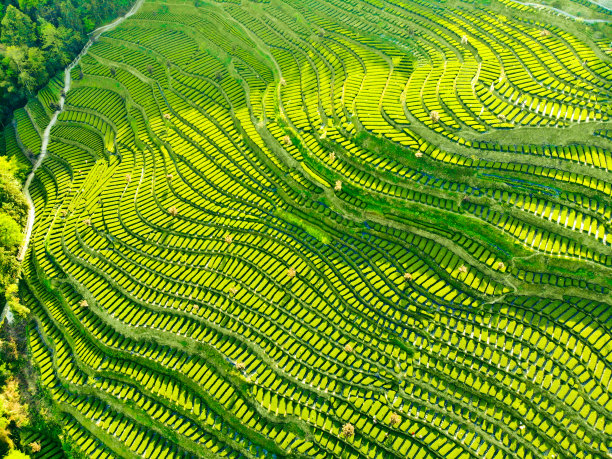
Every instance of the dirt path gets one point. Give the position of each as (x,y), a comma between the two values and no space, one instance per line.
(541,6)
(45,139)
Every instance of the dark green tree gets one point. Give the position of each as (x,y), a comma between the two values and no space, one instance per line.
(60,41)
(29,64)
(10,232)
(17,28)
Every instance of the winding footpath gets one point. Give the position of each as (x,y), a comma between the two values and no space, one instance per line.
(605,4)
(563,13)
(6,313)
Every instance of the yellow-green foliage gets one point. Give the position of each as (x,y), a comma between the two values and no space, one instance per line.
(329,228)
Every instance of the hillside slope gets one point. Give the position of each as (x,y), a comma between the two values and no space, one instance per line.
(328,228)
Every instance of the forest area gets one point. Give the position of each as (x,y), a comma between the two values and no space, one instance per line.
(13,215)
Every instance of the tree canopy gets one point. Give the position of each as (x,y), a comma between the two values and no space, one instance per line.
(10,232)
(17,28)
(13,216)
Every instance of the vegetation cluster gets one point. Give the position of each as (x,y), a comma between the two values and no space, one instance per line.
(23,408)
(13,214)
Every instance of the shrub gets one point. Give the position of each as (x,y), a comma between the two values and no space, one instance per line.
(348,430)
(394,419)
(10,232)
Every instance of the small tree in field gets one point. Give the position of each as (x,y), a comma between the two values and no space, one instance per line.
(287,140)
(229,238)
(87,222)
(348,430)
(13,411)
(240,366)
(434,116)
(173,211)
(338,185)
(128,178)
(407,277)
(394,419)
(291,273)
(83,304)
(348,348)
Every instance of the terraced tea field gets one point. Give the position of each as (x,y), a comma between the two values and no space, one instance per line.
(327,228)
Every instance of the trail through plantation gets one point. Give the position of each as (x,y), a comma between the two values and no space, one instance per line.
(565,13)
(45,139)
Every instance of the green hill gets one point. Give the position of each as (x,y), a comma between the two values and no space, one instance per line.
(328,228)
